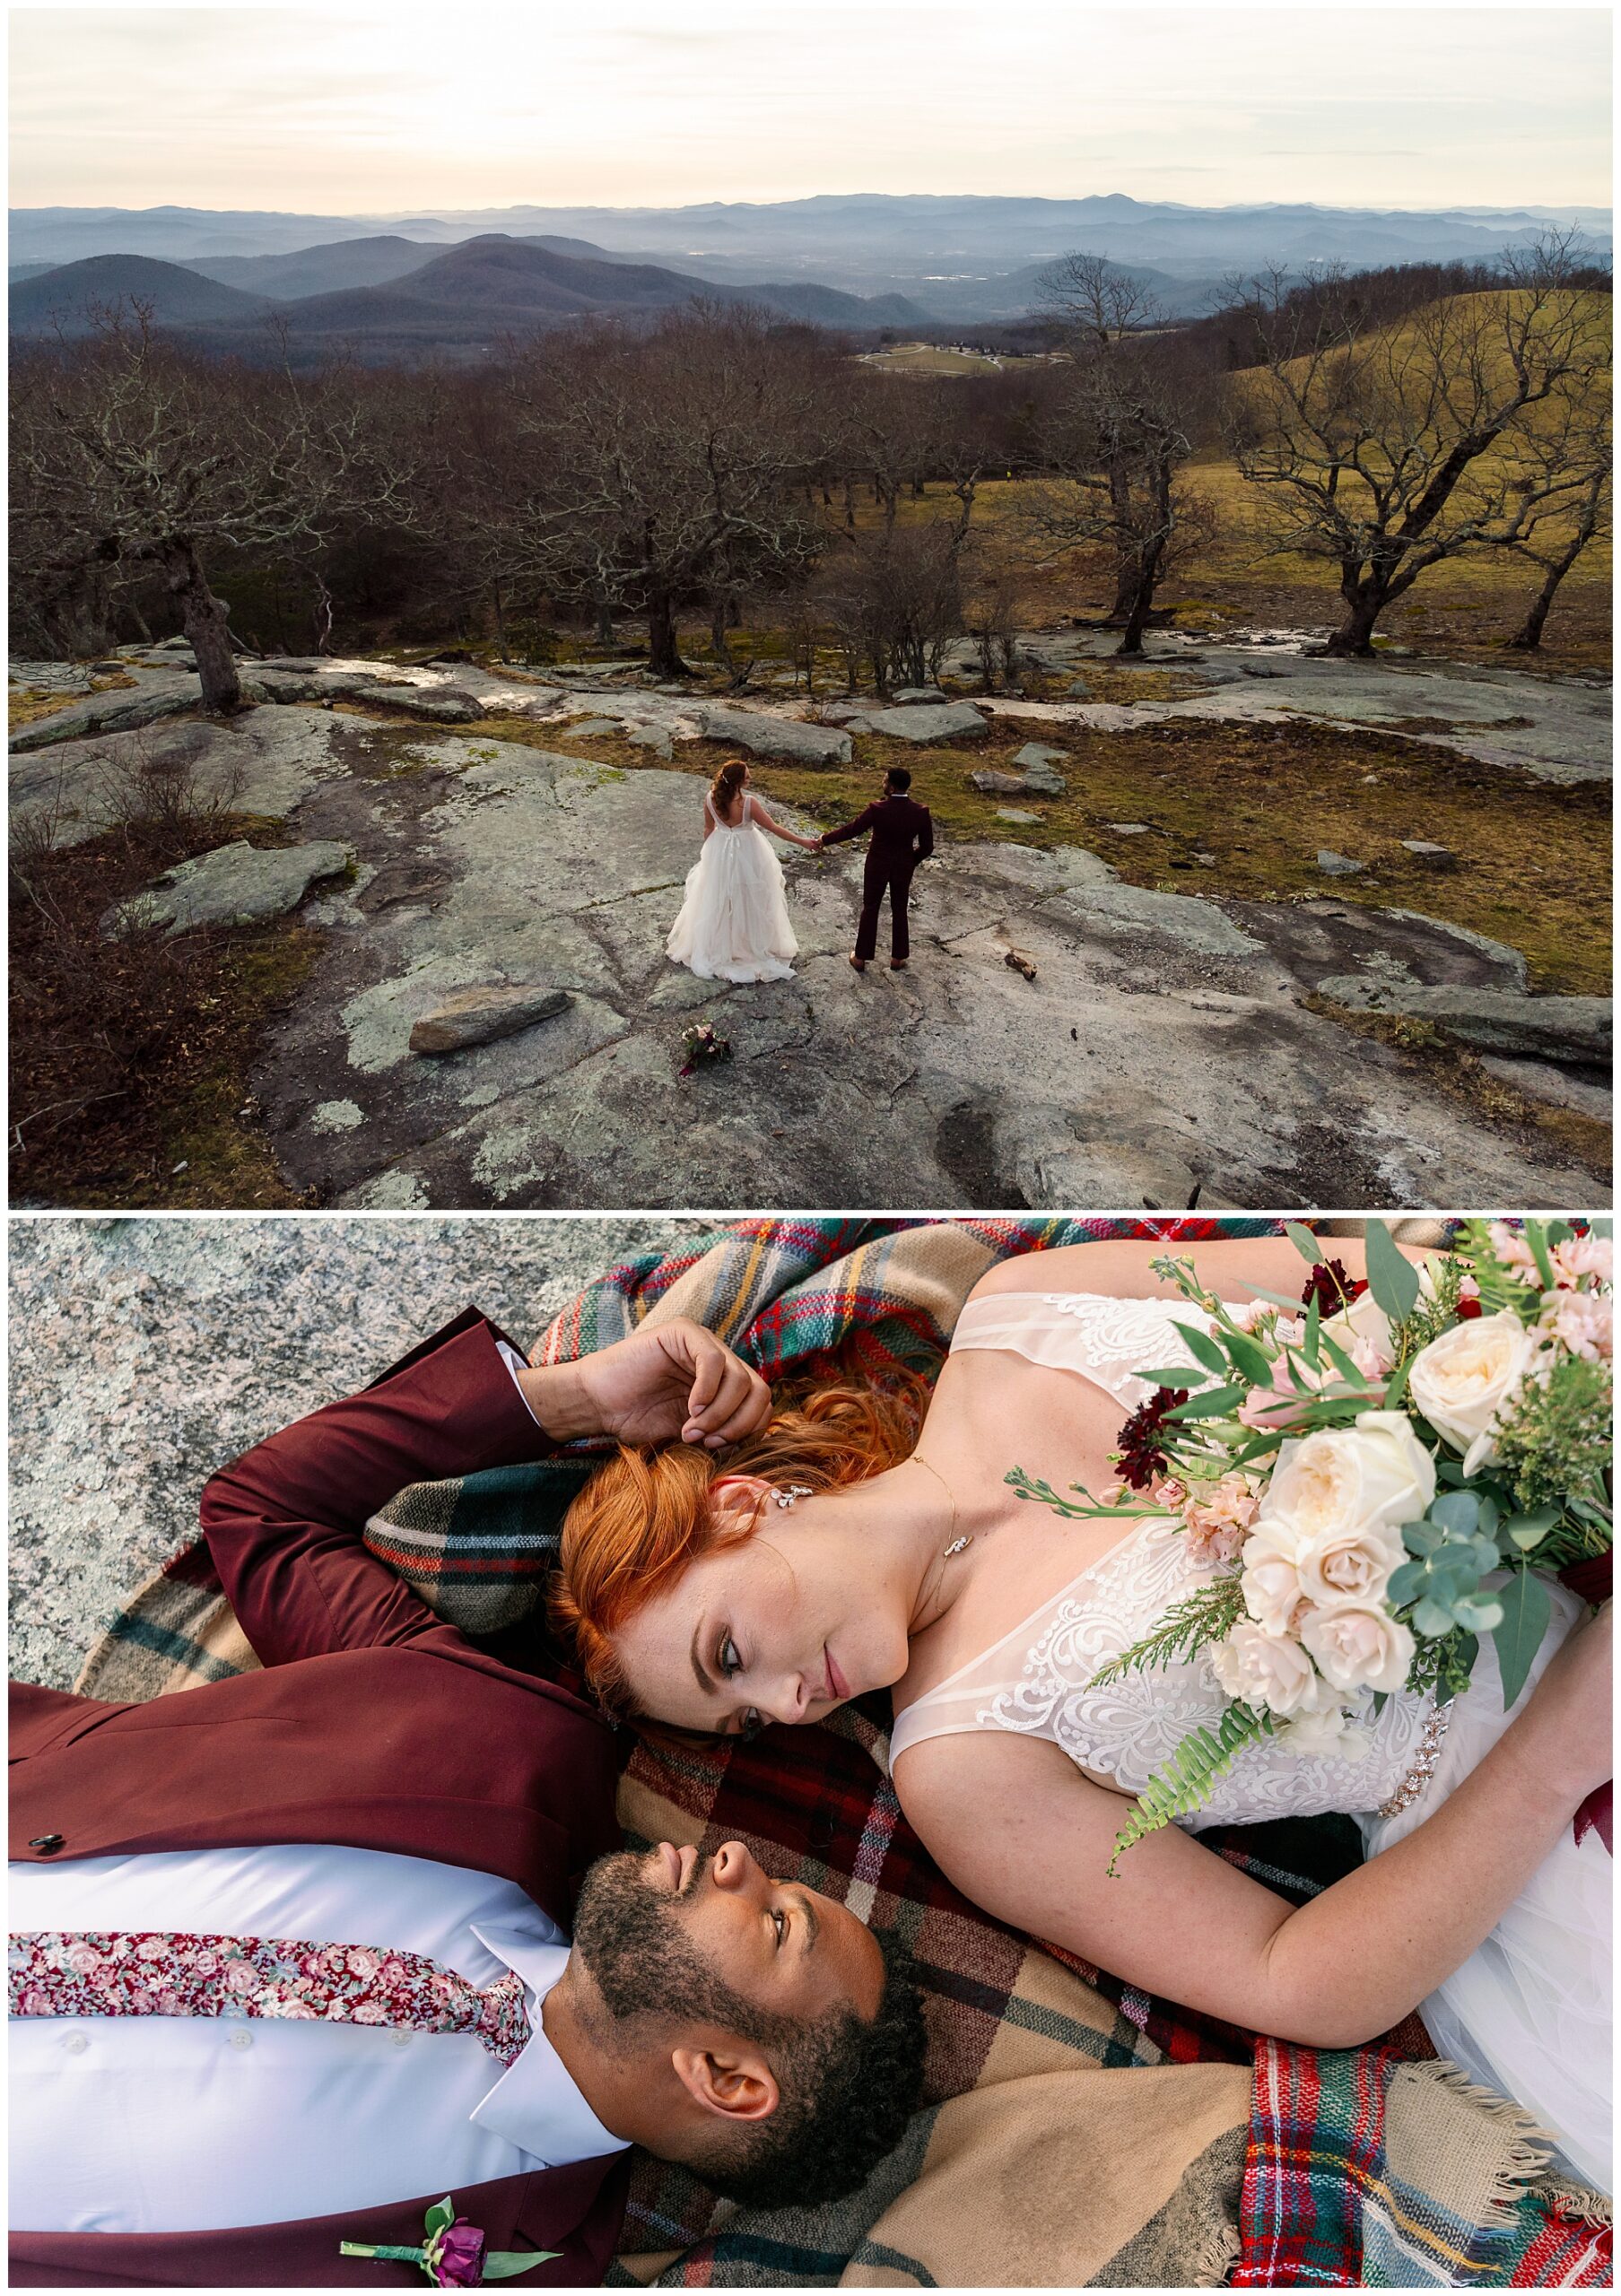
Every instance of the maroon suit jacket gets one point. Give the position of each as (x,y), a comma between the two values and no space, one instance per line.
(372,1723)
(902,834)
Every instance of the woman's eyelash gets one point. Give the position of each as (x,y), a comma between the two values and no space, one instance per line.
(728,1666)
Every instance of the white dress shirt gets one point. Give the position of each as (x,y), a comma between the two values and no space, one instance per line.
(189,2123)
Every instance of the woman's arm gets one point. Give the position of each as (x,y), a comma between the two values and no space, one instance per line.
(1124,1270)
(1024,1833)
(789,836)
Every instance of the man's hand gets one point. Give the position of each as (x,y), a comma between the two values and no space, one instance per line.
(665,1380)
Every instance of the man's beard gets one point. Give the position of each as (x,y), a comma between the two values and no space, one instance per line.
(628,1934)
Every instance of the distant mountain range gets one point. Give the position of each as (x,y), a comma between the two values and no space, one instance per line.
(454,280)
(390,297)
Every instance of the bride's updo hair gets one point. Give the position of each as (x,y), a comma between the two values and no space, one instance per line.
(645,1515)
(725,784)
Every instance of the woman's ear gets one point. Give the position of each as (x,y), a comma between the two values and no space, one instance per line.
(735,2083)
(740,1495)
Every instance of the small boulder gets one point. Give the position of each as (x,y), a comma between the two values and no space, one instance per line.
(1045,781)
(592,726)
(919,694)
(235,884)
(1012,814)
(952,721)
(445,705)
(1429,855)
(766,736)
(656,738)
(1338,864)
(1572,1030)
(1039,753)
(1128,829)
(1019,963)
(482,1015)
(1261,670)
(1077,690)
(992,784)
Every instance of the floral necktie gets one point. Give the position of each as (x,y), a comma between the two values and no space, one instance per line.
(160,1973)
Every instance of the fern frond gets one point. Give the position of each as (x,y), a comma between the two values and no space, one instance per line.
(1184,1784)
(1204,1616)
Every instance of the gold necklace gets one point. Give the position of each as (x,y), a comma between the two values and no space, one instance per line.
(955,1545)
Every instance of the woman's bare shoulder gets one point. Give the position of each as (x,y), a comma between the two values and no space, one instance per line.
(937,1779)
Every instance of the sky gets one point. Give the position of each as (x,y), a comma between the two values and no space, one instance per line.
(375,110)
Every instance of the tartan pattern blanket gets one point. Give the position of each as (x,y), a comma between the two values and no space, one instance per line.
(1024,2167)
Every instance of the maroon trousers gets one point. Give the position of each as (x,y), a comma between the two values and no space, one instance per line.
(880,876)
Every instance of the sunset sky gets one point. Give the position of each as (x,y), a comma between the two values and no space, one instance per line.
(373,111)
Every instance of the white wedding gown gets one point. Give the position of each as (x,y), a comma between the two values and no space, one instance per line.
(734,923)
(1529,2013)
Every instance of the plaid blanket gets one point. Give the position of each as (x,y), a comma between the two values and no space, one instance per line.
(1217,2158)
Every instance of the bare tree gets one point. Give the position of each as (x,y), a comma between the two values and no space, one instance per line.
(1115,452)
(664,466)
(1381,447)
(1556,498)
(127,453)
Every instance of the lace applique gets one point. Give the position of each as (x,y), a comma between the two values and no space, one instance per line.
(1127,1728)
(1120,1337)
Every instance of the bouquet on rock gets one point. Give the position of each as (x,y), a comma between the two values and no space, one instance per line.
(1374,1475)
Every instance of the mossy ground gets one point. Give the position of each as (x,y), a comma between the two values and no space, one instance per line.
(25,705)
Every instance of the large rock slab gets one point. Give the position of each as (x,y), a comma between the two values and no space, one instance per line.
(114,712)
(235,884)
(952,721)
(763,736)
(1570,1029)
(483,1015)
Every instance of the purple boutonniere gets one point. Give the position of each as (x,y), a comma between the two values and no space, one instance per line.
(453,2253)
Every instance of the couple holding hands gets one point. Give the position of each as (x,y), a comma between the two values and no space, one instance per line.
(734,923)
(407,1839)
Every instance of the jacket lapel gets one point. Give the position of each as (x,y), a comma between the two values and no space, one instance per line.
(577,2210)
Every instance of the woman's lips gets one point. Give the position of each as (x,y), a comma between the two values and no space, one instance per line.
(837,1687)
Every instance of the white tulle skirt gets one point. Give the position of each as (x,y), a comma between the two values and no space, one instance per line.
(1529,2012)
(734,923)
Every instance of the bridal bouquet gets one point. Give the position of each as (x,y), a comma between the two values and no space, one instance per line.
(1351,1467)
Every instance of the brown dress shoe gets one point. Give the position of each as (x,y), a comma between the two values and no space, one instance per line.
(859,963)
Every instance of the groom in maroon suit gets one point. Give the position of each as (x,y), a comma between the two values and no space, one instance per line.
(902,835)
(379,1781)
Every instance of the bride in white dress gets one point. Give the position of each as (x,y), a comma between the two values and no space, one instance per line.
(734,923)
(783,1585)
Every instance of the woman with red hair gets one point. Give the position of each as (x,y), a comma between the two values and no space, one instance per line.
(734,923)
(860,1544)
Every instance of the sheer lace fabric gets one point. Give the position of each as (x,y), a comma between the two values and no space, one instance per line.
(734,923)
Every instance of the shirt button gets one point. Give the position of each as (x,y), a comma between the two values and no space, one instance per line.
(400,2037)
(75,2043)
(241,2038)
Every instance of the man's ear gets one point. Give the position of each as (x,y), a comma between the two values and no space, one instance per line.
(735,2083)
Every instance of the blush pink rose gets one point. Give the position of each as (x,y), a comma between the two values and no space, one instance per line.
(84,1959)
(363,1961)
(152,1949)
(241,1977)
(369,2012)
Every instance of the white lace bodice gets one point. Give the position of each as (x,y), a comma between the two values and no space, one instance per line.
(1037,1679)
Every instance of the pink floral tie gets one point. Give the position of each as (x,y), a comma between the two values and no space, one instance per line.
(159,1973)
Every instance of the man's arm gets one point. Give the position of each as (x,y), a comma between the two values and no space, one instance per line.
(862,822)
(284,1523)
(926,835)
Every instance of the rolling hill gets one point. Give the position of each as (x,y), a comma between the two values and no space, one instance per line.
(176,298)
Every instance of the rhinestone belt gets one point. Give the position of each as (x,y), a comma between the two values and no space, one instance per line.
(1424,1766)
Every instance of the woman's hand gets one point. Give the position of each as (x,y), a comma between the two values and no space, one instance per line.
(1566,1722)
(666,1380)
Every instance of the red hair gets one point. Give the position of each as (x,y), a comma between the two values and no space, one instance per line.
(725,784)
(645,1515)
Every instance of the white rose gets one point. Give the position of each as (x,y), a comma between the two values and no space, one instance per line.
(1271,1584)
(1331,1735)
(1342,1483)
(1364,1321)
(1463,1380)
(1358,1646)
(1269,1671)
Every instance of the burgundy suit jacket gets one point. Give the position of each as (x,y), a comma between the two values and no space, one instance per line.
(902,834)
(372,1723)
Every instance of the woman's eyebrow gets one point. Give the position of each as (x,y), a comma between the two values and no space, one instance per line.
(704,1683)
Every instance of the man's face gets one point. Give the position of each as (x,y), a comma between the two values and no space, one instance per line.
(710,1939)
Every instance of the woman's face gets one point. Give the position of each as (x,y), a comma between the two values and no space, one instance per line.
(774,1629)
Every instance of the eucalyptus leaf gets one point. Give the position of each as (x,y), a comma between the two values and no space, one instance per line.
(1431,1619)
(1177,1375)
(1251,1361)
(1392,1280)
(1304,1242)
(1526,1611)
(1407,1579)
(1420,1538)
(1313,1327)
(1457,1512)
(1480,1613)
(1396,1386)
(1200,1345)
(1528,1530)
(1216,1405)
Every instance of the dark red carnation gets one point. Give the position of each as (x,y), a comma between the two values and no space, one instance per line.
(1333,1287)
(1141,1454)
